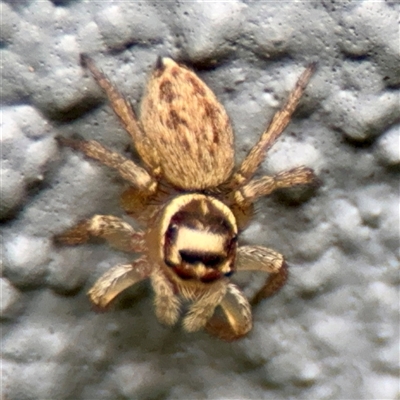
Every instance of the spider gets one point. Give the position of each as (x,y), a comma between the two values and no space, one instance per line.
(189,200)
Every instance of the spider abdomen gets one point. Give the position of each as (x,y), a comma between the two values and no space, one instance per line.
(188,129)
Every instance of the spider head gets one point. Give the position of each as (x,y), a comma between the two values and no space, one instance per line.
(199,238)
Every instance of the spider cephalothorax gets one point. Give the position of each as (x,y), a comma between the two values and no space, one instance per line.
(198,238)
(190,201)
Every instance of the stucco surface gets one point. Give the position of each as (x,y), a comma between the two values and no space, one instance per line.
(333,331)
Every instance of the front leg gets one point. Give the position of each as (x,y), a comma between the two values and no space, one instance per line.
(166,302)
(258,258)
(116,231)
(203,308)
(236,319)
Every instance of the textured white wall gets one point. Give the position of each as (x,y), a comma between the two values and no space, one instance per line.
(333,331)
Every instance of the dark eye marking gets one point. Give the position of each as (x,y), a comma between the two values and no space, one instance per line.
(172,231)
(209,260)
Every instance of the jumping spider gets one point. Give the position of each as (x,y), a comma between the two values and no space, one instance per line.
(191,202)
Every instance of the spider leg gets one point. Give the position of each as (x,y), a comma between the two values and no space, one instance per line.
(279,122)
(166,302)
(126,168)
(236,318)
(116,231)
(139,207)
(126,115)
(117,279)
(258,258)
(118,103)
(265,185)
(203,308)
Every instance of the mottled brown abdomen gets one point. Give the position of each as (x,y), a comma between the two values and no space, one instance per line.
(187,129)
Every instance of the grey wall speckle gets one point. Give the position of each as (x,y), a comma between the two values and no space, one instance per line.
(333,331)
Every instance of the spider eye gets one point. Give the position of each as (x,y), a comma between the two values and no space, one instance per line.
(209,260)
(172,230)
